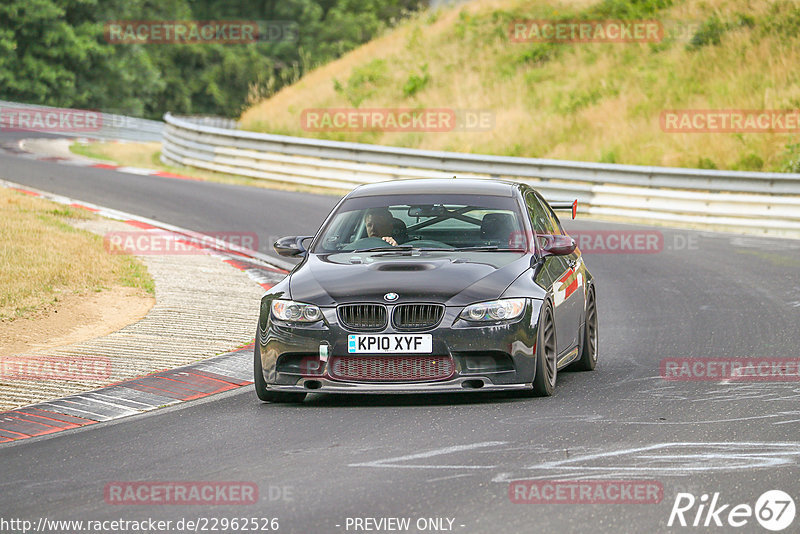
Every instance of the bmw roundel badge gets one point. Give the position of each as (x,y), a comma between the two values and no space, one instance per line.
(391,297)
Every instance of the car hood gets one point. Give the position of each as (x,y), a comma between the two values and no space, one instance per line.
(455,279)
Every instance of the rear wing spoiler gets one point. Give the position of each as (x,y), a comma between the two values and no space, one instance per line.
(566,206)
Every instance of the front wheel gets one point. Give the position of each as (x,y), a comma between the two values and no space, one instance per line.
(546,361)
(588,358)
(261,385)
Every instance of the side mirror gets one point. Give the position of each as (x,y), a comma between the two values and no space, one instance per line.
(291,246)
(558,245)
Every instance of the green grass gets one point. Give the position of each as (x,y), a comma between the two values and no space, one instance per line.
(44,256)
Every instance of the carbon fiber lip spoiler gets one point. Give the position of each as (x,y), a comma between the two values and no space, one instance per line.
(566,206)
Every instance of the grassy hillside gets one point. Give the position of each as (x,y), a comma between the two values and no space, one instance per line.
(590,102)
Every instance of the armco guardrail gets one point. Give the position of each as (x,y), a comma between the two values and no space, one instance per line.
(63,121)
(752,202)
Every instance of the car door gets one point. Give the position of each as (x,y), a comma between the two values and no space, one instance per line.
(562,274)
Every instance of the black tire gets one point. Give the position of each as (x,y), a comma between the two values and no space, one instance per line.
(261,386)
(588,358)
(544,382)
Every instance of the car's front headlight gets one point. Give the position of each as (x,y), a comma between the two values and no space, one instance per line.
(494,310)
(297,312)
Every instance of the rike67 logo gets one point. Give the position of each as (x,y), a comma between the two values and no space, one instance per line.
(774,510)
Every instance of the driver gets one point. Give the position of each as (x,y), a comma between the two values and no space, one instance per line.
(380,223)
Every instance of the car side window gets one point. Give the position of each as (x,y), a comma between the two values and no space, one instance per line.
(556,224)
(541,217)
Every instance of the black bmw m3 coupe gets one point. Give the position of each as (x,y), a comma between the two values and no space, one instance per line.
(417,286)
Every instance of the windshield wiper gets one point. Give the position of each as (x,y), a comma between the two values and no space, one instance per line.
(390,248)
(384,249)
(487,248)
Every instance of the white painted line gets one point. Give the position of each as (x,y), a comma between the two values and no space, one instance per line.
(734,456)
(136,170)
(439,479)
(114,401)
(71,411)
(392,462)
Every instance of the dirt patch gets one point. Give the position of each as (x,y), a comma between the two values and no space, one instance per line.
(75,318)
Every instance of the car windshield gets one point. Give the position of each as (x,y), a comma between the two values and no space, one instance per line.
(441,222)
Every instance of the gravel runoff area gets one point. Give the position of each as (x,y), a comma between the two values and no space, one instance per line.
(204,307)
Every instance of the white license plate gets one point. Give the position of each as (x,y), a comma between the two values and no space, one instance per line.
(390,343)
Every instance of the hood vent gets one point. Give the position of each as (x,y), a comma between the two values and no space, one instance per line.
(403,267)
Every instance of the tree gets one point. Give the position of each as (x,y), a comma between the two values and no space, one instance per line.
(54,52)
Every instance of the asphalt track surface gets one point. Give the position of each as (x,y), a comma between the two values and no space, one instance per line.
(337,457)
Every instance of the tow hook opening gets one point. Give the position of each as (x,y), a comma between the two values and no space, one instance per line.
(472,384)
(312,384)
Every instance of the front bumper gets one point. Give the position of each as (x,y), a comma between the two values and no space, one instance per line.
(496,357)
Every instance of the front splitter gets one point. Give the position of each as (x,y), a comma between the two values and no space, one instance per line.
(463,384)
